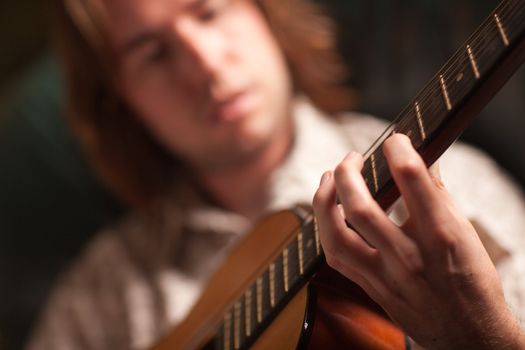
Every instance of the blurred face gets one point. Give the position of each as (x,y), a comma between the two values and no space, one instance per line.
(206,77)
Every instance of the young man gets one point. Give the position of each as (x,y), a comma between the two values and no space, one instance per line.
(204,115)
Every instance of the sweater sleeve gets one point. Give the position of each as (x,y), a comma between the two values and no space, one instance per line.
(87,310)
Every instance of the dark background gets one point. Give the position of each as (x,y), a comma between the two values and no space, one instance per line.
(50,204)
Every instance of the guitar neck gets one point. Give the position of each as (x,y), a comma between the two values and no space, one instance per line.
(444,108)
(433,120)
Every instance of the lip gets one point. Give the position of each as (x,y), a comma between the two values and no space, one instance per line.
(234,107)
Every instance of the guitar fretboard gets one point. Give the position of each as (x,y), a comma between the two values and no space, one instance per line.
(450,87)
(422,120)
(250,314)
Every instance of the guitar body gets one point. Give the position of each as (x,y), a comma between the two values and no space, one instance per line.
(344,316)
(326,312)
(331,312)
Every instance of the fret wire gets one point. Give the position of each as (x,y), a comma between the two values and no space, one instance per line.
(445,92)
(420,122)
(378,169)
(285,270)
(227,330)
(272,284)
(236,325)
(310,251)
(300,252)
(292,262)
(248,311)
(501,30)
(436,110)
(473,62)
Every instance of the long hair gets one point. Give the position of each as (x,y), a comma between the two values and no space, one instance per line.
(124,155)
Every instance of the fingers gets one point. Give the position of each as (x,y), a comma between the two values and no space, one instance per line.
(382,272)
(341,241)
(409,172)
(433,216)
(360,209)
(422,190)
(344,249)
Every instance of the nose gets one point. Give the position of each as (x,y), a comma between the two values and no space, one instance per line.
(203,49)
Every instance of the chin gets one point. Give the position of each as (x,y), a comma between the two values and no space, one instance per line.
(250,138)
(257,134)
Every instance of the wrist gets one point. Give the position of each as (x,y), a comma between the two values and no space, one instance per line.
(516,336)
(503,332)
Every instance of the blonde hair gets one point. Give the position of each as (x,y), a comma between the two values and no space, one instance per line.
(127,159)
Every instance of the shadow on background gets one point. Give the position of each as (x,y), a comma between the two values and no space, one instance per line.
(50,203)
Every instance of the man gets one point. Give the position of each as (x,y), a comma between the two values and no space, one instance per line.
(203,115)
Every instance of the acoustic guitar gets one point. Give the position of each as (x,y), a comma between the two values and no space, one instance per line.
(276,292)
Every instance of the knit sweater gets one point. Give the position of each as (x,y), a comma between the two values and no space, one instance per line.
(140,277)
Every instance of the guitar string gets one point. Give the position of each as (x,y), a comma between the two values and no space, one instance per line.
(456,66)
(478,44)
(427,92)
(436,107)
(452,75)
(403,119)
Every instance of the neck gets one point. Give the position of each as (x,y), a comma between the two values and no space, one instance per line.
(243,188)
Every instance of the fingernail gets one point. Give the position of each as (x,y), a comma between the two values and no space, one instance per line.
(325,177)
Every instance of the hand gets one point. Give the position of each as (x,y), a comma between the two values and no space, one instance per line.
(432,275)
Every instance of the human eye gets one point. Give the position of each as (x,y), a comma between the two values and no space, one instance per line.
(157,53)
(211,9)
(154,53)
